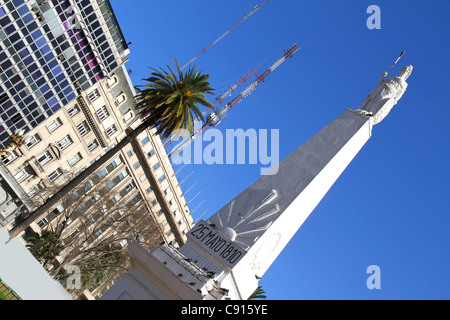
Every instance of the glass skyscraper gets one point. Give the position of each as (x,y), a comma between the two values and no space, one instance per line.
(51,51)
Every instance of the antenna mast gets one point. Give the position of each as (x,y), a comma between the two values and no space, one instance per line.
(213,119)
(256,8)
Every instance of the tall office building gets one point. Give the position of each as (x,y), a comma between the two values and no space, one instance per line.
(50,52)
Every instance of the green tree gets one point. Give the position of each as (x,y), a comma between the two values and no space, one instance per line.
(46,246)
(88,230)
(171,101)
(259,293)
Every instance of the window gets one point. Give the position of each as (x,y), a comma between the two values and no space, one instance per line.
(114,164)
(129,187)
(88,185)
(181,222)
(102,113)
(55,212)
(10,158)
(156,166)
(16,118)
(135,199)
(3,97)
(162,178)
(22,174)
(109,185)
(65,142)
(94,95)
(112,81)
(136,165)
(44,158)
(110,130)
(117,179)
(152,152)
(73,110)
(33,140)
(149,190)
(145,140)
(130,153)
(92,145)
(102,173)
(74,234)
(117,197)
(76,158)
(55,124)
(83,246)
(123,243)
(83,128)
(120,99)
(42,223)
(55,174)
(127,116)
(97,234)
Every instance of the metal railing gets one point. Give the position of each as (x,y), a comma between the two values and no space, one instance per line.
(6,293)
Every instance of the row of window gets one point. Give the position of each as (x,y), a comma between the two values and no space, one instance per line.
(43,159)
(29,44)
(98,34)
(160,179)
(94,95)
(83,128)
(85,206)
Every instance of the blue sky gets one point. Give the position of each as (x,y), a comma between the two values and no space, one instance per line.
(390,206)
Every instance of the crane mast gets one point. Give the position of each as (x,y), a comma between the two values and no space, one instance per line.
(230,90)
(222,97)
(255,8)
(247,91)
(214,118)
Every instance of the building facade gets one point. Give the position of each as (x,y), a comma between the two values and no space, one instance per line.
(78,135)
(64,83)
(50,51)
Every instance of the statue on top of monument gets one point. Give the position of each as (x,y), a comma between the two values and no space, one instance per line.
(382,99)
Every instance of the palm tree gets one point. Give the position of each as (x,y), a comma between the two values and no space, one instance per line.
(169,102)
(259,293)
(46,246)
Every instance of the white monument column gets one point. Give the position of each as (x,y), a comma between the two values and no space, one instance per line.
(227,254)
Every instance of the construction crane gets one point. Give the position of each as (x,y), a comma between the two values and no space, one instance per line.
(230,90)
(214,118)
(255,8)
(221,98)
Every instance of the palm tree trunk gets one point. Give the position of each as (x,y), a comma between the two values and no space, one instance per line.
(23,222)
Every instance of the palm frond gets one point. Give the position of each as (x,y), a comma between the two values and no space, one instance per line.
(171,100)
